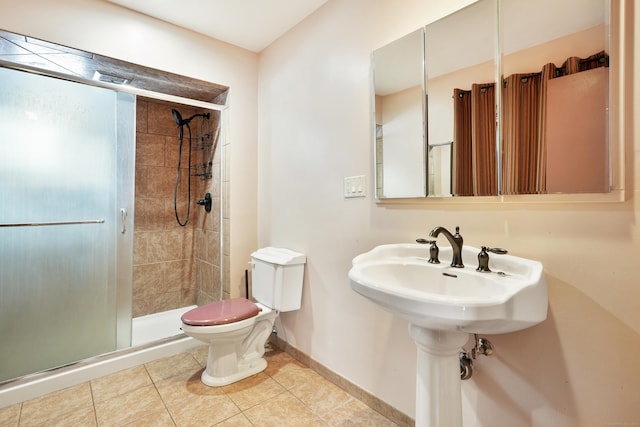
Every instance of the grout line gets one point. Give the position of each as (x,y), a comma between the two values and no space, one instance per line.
(93,402)
(155,386)
(20,413)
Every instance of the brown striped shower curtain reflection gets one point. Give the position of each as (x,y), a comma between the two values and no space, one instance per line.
(523,148)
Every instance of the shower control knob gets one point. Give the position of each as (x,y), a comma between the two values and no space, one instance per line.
(206,202)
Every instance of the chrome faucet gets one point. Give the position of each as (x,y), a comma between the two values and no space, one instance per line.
(454,240)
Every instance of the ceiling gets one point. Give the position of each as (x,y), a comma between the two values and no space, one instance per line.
(250,24)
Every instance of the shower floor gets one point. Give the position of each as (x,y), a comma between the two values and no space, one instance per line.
(157,326)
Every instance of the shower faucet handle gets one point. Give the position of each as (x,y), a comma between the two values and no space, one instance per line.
(206,202)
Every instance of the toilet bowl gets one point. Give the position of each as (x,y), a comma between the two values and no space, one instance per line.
(237,329)
(236,347)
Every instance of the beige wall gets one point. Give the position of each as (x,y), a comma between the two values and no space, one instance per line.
(578,368)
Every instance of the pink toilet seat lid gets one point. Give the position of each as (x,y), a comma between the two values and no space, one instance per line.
(221,312)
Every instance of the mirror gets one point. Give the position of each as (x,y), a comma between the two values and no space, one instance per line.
(562,144)
(554,71)
(398,70)
(461,75)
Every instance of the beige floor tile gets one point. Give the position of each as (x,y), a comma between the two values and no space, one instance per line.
(355,413)
(276,359)
(129,407)
(319,394)
(202,410)
(200,354)
(170,366)
(283,410)
(290,373)
(236,421)
(154,419)
(84,418)
(9,416)
(253,390)
(119,383)
(184,386)
(56,405)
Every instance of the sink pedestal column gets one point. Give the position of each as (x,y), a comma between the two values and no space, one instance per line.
(438,393)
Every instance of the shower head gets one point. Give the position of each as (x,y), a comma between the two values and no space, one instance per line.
(177,117)
(179,122)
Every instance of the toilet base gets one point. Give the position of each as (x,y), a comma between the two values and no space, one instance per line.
(259,366)
(236,354)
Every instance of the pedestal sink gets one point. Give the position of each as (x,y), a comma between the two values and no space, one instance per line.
(443,305)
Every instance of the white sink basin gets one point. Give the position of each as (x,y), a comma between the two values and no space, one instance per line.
(399,278)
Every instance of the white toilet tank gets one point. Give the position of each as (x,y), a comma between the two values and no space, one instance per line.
(277,277)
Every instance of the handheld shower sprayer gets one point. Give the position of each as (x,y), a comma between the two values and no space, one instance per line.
(181,123)
(178,119)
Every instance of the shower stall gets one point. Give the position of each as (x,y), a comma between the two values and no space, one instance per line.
(77,267)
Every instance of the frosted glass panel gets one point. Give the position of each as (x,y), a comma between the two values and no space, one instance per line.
(57,165)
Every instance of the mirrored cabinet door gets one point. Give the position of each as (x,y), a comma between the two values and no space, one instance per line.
(461,91)
(398,81)
(555,96)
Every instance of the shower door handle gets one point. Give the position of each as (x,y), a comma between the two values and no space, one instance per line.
(123,219)
(50,223)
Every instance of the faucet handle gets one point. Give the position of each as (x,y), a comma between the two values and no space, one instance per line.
(483,257)
(498,251)
(433,250)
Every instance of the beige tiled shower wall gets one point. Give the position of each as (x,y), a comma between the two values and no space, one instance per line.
(174,266)
(225,154)
(207,233)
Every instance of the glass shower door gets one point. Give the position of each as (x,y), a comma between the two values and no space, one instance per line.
(58,222)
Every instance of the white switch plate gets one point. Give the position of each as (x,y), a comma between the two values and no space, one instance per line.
(354,186)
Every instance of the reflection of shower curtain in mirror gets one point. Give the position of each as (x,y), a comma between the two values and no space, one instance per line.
(524,131)
(474,141)
(524,124)
(462,163)
(522,145)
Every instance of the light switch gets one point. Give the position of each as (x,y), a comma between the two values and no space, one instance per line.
(354,186)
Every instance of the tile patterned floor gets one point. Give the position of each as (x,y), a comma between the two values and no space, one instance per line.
(168,392)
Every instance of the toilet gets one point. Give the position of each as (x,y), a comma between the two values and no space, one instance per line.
(237,329)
